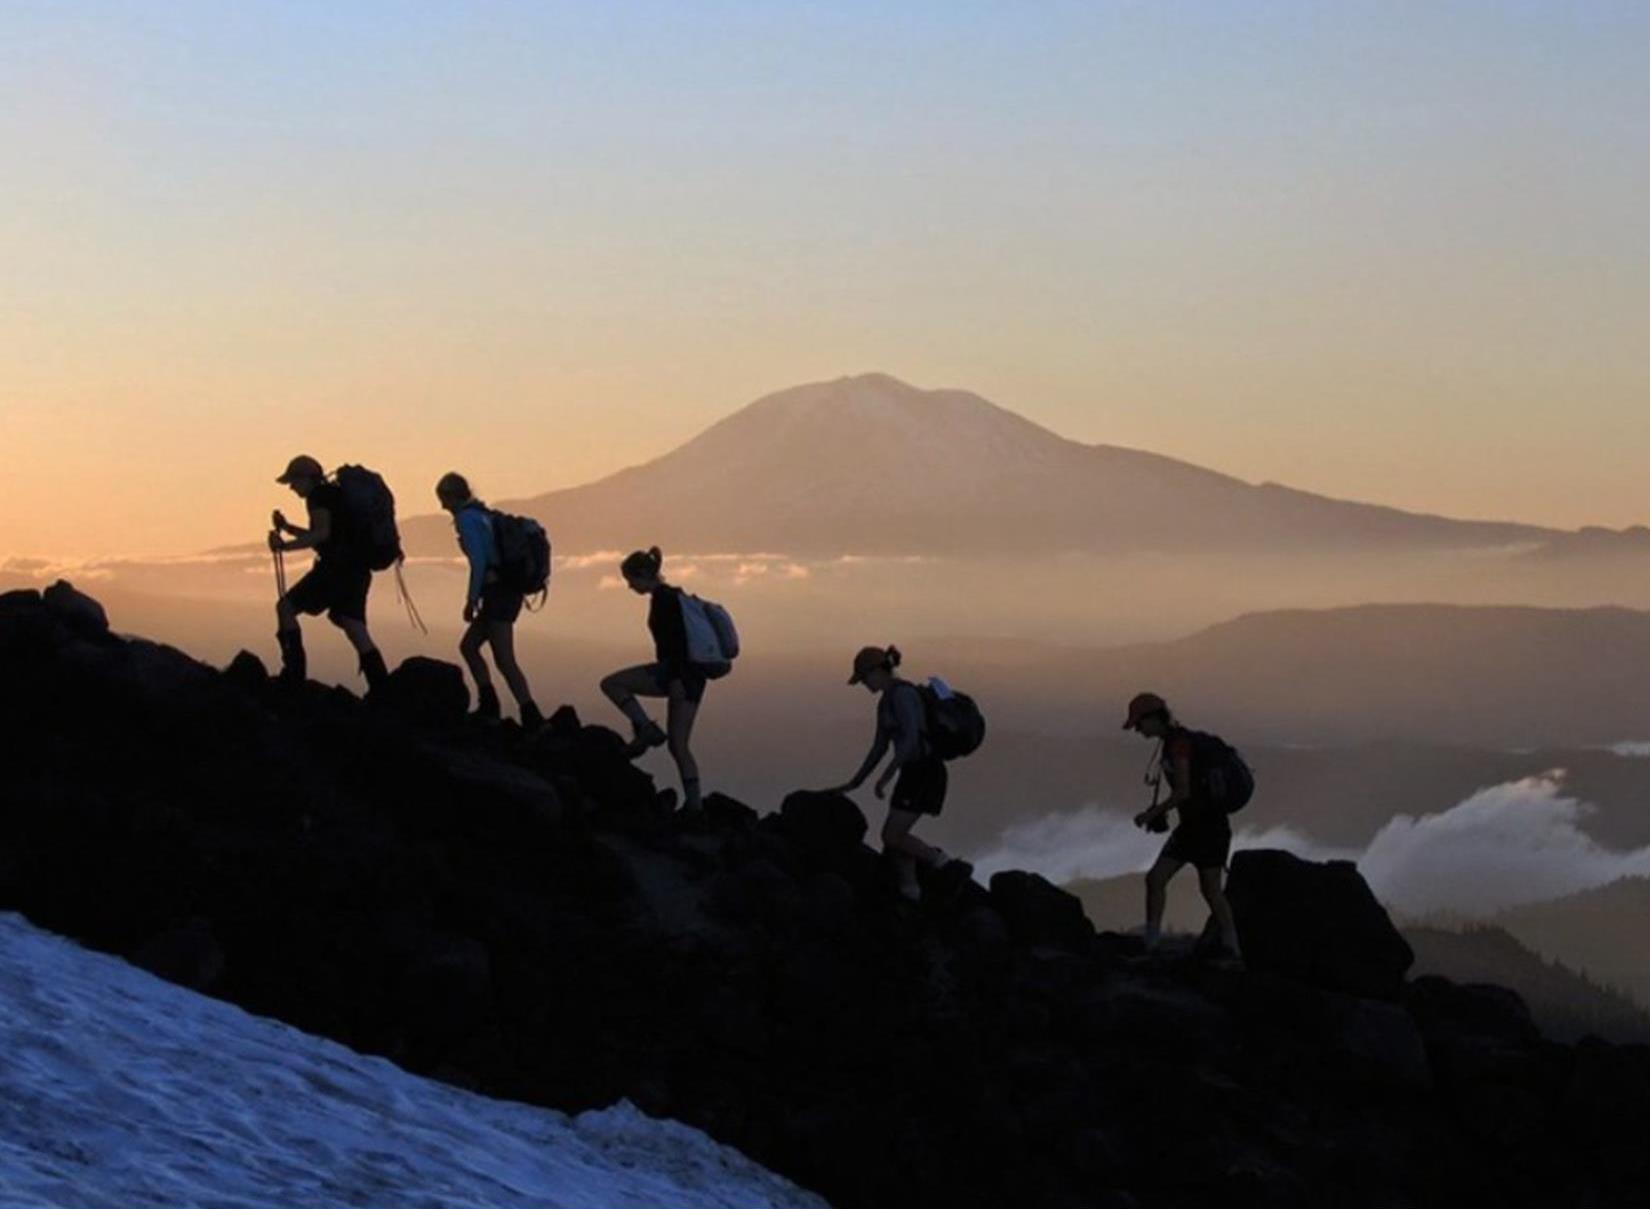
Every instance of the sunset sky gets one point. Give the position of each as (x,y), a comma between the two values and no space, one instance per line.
(1390,251)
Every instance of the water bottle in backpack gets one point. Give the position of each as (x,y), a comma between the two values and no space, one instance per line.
(955,725)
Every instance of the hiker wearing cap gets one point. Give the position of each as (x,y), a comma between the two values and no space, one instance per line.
(337,583)
(922,775)
(1202,836)
(673,674)
(491,606)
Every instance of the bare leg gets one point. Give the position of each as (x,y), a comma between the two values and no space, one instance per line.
(623,688)
(1157,896)
(896,844)
(356,632)
(469,647)
(501,635)
(680,717)
(1209,881)
(897,838)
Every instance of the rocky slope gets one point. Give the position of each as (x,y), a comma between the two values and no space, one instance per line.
(527,918)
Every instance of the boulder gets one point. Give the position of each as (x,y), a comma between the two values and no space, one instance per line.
(427,691)
(247,672)
(826,827)
(1317,922)
(1038,912)
(75,609)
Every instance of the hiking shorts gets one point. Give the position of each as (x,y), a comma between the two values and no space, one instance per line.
(692,679)
(500,604)
(336,589)
(921,786)
(1203,843)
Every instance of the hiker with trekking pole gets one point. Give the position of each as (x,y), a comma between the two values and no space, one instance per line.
(509,560)
(694,642)
(352,533)
(1208,782)
(925,726)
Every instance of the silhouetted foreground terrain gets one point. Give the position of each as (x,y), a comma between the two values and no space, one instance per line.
(525,917)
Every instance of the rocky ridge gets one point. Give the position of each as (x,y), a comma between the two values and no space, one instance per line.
(527,916)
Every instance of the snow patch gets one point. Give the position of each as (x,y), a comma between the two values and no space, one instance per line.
(119,1089)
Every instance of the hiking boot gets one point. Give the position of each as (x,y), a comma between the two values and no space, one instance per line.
(531,719)
(647,737)
(294,663)
(487,706)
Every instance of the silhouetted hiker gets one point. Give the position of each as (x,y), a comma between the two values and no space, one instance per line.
(694,643)
(1202,836)
(903,725)
(493,600)
(336,585)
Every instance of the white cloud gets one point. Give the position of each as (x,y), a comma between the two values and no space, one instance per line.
(1505,845)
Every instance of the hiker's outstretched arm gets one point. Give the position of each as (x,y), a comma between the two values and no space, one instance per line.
(879,749)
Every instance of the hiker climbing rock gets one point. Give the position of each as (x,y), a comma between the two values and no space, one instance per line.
(509,559)
(345,540)
(1208,781)
(694,642)
(923,726)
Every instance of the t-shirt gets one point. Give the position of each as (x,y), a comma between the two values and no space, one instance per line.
(901,718)
(667,625)
(329,498)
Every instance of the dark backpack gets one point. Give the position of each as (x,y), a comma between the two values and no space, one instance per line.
(523,553)
(1222,777)
(370,510)
(955,726)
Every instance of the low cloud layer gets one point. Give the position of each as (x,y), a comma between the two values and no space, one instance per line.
(1506,845)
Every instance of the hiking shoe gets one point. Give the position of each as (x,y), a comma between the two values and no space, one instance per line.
(1227,961)
(531,719)
(487,706)
(647,737)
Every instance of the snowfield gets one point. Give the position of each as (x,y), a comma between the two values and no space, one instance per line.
(120,1090)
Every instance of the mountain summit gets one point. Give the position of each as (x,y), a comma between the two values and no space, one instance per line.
(871,464)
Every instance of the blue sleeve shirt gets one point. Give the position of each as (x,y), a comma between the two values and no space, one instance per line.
(475,538)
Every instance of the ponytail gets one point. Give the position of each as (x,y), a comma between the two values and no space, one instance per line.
(892,658)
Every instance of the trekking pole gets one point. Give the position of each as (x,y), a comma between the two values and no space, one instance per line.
(405,597)
(280,573)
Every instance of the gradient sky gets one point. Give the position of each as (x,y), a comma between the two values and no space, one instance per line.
(1394,251)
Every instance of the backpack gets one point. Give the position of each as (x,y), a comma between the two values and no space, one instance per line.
(370,509)
(954,725)
(1223,775)
(713,642)
(523,553)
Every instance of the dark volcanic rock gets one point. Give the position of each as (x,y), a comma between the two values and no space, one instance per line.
(428,692)
(75,609)
(1038,912)
(826,826)
(1316,922)
(517,914)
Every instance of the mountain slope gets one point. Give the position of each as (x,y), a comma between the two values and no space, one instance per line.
(1601,931)
(527,916)
(871,465)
